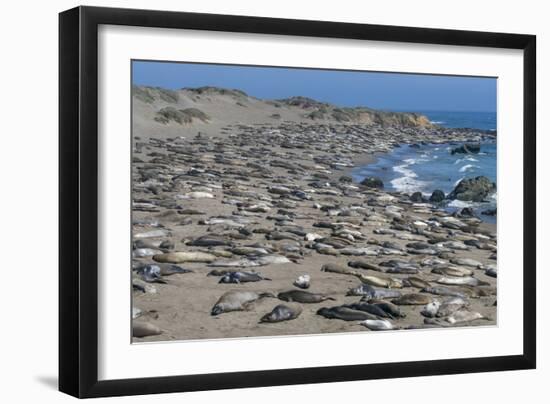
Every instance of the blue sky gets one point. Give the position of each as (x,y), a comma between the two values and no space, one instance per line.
(391,91)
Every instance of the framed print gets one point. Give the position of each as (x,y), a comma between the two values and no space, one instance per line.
(251,201)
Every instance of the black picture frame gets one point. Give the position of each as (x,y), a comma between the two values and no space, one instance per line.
(78,196)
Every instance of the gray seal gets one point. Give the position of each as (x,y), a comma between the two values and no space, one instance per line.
(345,313)
(412,299)
(282,312)
(242,277)
(236,300)
(142,329)
(369,308)
(301,296)
(371,292)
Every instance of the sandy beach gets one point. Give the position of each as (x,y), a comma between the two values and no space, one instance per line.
(274,196)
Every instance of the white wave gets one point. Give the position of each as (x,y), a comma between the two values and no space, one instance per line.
(402,169)
(437,122)
(455,203)
(467,167)
(458,181)
(408,182)
(470,158)
(409,161)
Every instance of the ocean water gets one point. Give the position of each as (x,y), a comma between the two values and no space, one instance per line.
(453,119)
(429,167)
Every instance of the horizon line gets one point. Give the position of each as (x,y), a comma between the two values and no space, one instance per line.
(383,109)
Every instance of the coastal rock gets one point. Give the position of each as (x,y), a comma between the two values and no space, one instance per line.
(373,182)
(466,212)
(467,148)
(417,197)
(473,189)
(345,179)
(490,212)
(437,196)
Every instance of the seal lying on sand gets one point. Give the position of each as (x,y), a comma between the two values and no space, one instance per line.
(388,307)
(301,296)
(412,299)
(242,277)
(282,312)
(337,269)
(303,281)
(177,257)
(369,308)
(370,292)
(364,265)
(344,313)
(389,283)
(236,300)
(468,281)
(377,325)
(142,329)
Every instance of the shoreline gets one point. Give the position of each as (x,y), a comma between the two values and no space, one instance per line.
(365,161)
(266,188)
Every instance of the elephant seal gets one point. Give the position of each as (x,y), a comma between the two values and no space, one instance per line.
(239,263)
(249,251)
(177,257)
(403,270)
(282,312)
(344,313)
(412,299)
(463,316)
(209,241)
(451,305)
(150,273)
(301,296)
(491,270)
(370,292)
(364,265)
(158,244)
(303,282)
(389,283)
(388,307)
(416,282)
(236,300)
(431,309)
(142,329)
(464,281)
(170,269)
(152,234)
(145,252)
(443,291)
(337,269)
(161,269)
(452,271)
(242,277)
(369,308)
(469,262)
(377,325)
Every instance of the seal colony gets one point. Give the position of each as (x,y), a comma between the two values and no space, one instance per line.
(247,223)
